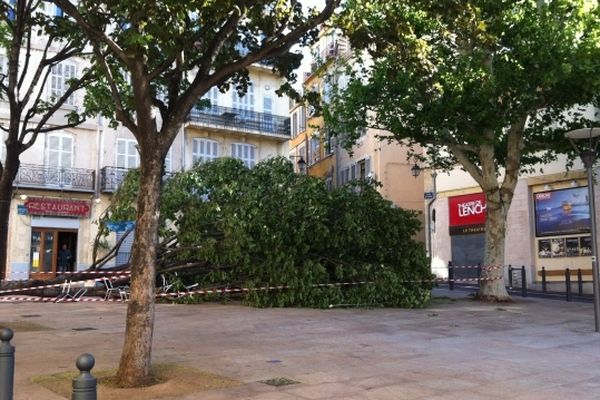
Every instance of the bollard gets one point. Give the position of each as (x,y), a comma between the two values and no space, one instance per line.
(84,385)
(450,276)
(523,282)
(568,283)
(510,276)
(543,279)
(7,364)
(579,281)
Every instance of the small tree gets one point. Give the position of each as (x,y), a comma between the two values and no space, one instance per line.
(33,42)
(490,86)
(157,60)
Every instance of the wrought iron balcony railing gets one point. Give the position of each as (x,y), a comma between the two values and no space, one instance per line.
(112,177)
(46,177)
(242,120)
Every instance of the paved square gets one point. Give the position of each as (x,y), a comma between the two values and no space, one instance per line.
(454,349)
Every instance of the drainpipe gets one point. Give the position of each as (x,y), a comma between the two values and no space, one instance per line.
(429,220)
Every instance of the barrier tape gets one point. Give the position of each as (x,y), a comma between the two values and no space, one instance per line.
(59,285)
(97,272)
(180,294)
(483,267)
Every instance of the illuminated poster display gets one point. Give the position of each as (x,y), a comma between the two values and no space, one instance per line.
(562,212)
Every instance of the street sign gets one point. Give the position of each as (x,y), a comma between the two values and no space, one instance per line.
(429,195)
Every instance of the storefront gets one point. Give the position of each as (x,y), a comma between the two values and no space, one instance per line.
(54,230)
(467,231)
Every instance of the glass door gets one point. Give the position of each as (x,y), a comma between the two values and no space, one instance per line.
(42,259)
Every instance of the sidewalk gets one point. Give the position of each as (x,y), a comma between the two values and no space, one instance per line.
(454,349)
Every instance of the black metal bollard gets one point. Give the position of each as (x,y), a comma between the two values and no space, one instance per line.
(543,279)
(579,281)
(7,364)
(450,276)
(84,385)
(523,282)
(568,283)
(510,276)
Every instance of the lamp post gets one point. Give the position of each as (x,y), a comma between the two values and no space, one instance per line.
(416,171)
(587,152)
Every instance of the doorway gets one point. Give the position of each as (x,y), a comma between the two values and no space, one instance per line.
(45,246)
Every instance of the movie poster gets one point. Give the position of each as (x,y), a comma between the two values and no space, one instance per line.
(585,245)
(544,248)
(557,247)
(562,212)
(572,245)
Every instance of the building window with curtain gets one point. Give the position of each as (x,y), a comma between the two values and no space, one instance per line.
(244,152)
(204,150)
(244,105)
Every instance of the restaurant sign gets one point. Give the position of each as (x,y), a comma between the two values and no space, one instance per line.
(58,207)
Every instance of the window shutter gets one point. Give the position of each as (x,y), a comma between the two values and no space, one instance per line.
(215,150)
(367,166)
(353,171)
(66,152)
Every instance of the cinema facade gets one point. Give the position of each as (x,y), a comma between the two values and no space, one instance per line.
(548,223)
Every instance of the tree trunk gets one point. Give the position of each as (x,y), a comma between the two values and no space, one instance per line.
(135,365)
(11,167)
(492,287)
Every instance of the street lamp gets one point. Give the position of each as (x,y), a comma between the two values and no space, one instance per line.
(301,163)
(587,152)
(416,171)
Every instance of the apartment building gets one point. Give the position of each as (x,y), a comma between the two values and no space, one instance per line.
(373,158)
(67,178)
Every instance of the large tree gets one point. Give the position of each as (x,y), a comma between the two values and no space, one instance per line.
(488,85)
(158,59)
(33,41)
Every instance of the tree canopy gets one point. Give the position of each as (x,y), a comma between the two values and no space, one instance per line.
(490,86)
(225,224)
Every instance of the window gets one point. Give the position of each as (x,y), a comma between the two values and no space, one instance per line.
(11,9)
(168,161)
(314,153)
(204,150)
(268,114)
(294,125)
(302,120)
(213,96)
(363,168)
(52,9)
(344,176)
(3,65)
(127,154)
(59,156)
(60,150)
(245,104)
(60,74)
(244,152)
(2,148)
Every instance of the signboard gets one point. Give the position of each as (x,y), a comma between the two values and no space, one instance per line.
(58,207)
(120,226)
(429,196)
(21,209)
(562,212)
(468,209)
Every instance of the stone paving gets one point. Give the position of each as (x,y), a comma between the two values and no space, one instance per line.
(454,349)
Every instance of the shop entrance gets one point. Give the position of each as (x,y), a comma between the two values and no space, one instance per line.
(46,257)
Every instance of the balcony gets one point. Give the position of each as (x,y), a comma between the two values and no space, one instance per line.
(112,177)
(55,178)
(241,121)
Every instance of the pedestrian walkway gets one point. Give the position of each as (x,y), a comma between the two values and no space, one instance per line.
(455,349)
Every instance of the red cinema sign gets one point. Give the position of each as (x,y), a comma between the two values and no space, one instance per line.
(57,207)
(467,210)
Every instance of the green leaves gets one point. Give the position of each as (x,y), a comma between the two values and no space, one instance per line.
(269,226)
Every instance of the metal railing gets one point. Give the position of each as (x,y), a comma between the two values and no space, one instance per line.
(47,177)
(242,120)
(111,178)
